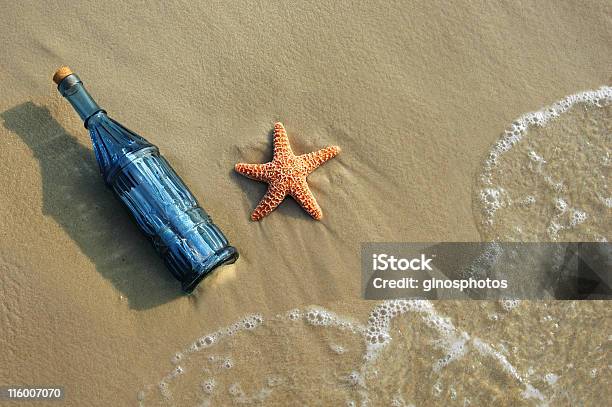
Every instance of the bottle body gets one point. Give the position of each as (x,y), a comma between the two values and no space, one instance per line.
(165,210)
(156,197)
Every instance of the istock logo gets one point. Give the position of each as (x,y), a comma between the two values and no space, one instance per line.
(384,262)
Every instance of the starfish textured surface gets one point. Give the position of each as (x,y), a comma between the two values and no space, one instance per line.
(286,175)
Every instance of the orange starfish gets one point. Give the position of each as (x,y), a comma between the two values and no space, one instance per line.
(286,175)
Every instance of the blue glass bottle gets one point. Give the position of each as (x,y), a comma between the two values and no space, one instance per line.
(164,209)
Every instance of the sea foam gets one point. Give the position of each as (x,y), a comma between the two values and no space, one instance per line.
(545,178)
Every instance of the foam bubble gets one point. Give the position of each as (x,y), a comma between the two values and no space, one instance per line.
(294,314)
(206,341)
(253,321)
(492,200)
(531,392)
(317,316)
(235,390)
(561,205)
(398,401)
(509,304)
(337,349)
(228,363)
(437,388)
(553,230)
(208,386)
(355,379)
(551,378)
(176,359)
(178,371)
(453,393)
(528,200)
(164,390)
(456,348)
(578,217)
(537,159)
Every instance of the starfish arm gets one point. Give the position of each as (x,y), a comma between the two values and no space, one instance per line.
(282,148)
(258,172)
(303,195)
(273,197)
(313,160)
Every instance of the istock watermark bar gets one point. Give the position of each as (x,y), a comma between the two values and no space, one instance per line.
(491,270)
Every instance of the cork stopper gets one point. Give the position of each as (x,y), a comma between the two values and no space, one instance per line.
(61,73)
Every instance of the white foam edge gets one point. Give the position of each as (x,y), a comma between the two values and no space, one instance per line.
(519,128)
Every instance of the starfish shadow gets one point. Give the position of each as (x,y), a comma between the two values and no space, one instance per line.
(75,196)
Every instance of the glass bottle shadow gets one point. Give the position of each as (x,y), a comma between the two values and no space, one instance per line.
(74,195)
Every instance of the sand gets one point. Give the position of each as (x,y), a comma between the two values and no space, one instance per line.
(415,94)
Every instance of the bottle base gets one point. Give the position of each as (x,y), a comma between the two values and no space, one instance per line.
(228,255)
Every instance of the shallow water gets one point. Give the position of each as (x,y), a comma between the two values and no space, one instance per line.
(547,179)
(406,353)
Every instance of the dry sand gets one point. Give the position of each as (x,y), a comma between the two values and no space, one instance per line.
(415,94)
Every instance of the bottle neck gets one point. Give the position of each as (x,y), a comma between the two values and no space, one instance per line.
(72,89)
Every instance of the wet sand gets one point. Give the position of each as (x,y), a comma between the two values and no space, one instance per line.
(415,95)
